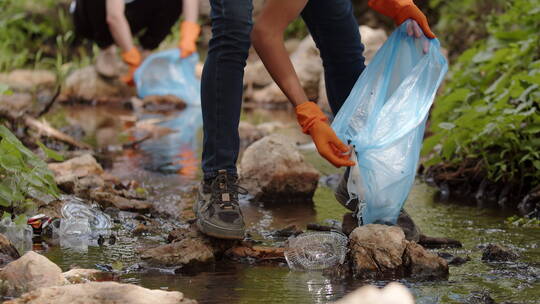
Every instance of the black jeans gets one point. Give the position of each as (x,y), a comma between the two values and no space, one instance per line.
(152,19)
(335,31)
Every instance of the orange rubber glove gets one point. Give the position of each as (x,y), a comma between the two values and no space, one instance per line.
(315,123)
(401,10)
(133,59)
(189,32)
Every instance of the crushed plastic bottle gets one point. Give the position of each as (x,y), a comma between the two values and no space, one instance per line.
(78,215)
(19,235)
(316,250)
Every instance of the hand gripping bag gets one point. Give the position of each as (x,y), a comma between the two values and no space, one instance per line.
(384,119)
(165,73)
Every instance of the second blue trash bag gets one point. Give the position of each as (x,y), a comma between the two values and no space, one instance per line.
(165,73)
(384,119)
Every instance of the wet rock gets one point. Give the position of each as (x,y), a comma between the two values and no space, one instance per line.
(377,251)
(186,252)
(85,84)
(380,251)
(393,293)
(273,170)
(107,199)
(28,273)
(8,252)
(258,253)
(438,242)
(79,276)
(79,167)
(458,261)
(423,265)
(291,230)
(480,297)
(498,253)
(15,105)
(101,292)
(28,79)
(248,134)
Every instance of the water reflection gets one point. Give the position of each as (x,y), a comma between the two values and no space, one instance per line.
(176,152)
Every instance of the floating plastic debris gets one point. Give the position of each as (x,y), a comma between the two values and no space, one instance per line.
(316,250)
(19,235)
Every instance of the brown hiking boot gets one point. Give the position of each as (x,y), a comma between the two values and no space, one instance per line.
(217,210)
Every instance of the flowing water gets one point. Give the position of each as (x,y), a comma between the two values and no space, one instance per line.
(167,168)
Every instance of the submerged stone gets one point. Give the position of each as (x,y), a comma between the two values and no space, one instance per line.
(498,253)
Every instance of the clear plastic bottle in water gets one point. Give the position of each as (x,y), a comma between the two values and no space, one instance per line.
(316,250)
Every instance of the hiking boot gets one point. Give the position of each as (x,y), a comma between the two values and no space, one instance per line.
(107,63)
(217,210)
(411,230)
(342,194)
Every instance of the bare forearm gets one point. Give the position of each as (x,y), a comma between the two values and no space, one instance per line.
(191,10)
(119,25)
(268,41)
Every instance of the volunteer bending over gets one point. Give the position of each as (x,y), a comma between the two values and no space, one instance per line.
(112,23)
(335,32)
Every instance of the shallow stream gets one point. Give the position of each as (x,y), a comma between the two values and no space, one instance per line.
(167,168)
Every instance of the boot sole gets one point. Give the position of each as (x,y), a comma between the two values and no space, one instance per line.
(218,232)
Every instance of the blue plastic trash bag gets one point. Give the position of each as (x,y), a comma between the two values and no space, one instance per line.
(165,73)
(384,119)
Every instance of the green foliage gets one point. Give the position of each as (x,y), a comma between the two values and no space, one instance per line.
(523,222)
(490,107)
(36,34)
(463,22)
(297,29)
(22,173)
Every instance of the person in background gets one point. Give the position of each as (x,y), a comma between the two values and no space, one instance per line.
(335,31)
(114,23)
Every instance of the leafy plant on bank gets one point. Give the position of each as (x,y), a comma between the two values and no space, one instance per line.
(490,107)
(22,173)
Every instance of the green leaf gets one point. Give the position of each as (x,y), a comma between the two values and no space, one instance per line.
(50,153)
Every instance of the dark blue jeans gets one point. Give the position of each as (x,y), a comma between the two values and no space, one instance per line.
(335,31)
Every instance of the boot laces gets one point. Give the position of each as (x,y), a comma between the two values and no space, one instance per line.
(225,191)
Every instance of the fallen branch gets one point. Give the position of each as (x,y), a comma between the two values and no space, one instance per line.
(45,129)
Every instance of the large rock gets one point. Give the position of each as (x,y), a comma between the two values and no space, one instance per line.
(187,252)
(28,79)
(382,252)
(101,292)
(86,84)
(308,66)
(423,265)
(393,293)
(79,167)
(79,275)
(188,248)
(377,251)
(273,170)
(28,273)
(15,105)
